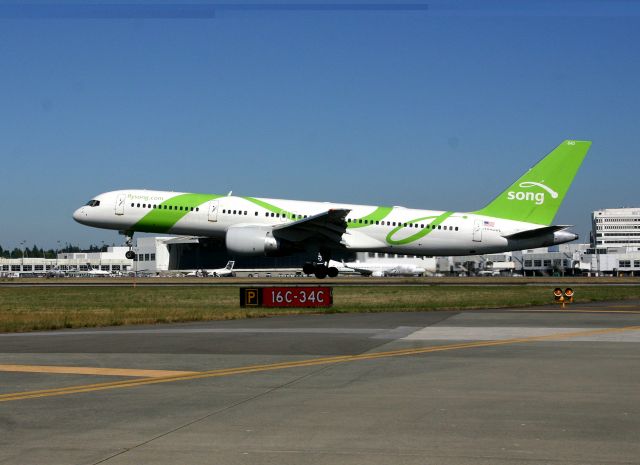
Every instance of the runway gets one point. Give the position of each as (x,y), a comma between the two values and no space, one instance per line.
(518,386)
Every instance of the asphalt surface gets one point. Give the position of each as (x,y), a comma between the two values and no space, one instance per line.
(528,386)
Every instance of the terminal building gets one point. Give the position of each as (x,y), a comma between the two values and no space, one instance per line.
(616,228)
(614,251)
(78,263)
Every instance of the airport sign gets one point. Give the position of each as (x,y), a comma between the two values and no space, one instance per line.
(286,296)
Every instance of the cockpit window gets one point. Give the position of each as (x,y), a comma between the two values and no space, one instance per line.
(93,203)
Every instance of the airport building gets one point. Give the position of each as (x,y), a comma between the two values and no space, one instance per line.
(615,227)
(79,263)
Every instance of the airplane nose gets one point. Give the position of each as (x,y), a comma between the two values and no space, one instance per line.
(80,215)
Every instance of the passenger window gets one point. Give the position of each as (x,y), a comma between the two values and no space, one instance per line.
(256,213)
(245,212)
(439,227)
(132,204)
(456,228)
(164,207)
(197,209)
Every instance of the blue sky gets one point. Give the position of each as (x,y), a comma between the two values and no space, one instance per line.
(440,108)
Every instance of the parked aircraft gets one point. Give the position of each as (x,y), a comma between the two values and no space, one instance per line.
(56,272)
(519,218)
(89,272)
(381,269)
(95,271)
(219,272)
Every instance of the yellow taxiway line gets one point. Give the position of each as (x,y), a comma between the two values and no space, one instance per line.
(300,363)
(94,371)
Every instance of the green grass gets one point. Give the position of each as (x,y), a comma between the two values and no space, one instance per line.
(40,308)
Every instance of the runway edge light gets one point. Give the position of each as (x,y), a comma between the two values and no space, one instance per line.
(563,297)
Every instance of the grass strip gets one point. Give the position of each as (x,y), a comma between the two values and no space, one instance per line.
(44,308)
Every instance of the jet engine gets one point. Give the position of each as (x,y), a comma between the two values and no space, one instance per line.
(252,240)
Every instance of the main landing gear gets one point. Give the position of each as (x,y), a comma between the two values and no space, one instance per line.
(130,254)
(320,269)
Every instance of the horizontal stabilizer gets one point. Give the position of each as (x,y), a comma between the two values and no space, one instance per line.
(531,233)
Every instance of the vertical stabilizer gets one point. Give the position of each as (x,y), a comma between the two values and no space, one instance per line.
(536,196)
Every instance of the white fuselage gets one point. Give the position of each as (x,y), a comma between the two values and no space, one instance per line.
(369,228)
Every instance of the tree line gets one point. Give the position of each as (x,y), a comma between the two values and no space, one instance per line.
(37,252)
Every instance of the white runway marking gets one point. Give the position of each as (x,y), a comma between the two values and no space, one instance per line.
(461,333)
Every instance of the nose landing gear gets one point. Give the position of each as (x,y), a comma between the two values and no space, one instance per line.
(130,254)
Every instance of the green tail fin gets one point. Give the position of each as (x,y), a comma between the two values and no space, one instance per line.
(537,195)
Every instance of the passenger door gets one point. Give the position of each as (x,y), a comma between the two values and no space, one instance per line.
(213,210)
(120,200)
(477,231)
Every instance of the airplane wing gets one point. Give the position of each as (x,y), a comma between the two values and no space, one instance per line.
(324,228)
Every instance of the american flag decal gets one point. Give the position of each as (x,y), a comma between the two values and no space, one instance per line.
(489,224)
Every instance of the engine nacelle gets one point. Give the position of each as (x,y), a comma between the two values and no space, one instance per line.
(251,240)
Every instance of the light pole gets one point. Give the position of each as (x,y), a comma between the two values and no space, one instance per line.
(24,251)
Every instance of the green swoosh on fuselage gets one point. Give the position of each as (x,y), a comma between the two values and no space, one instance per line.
(377,215)
(161,219)
(271,208)
(420,234)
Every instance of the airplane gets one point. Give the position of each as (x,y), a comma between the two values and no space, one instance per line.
(56,272)
(218,273)
(382,269)
(521,217)
(89,272)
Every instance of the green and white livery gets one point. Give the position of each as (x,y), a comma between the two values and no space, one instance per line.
(519,218)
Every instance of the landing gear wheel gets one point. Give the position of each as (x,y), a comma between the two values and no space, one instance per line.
(332,272)
(130,254)
(321,272)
